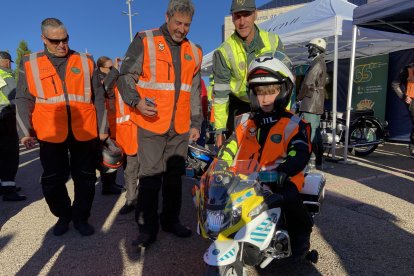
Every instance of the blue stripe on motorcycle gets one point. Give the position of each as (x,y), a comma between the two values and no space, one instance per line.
(258,240)
(259,234)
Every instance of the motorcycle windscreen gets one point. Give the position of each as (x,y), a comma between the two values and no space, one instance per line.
(225,178)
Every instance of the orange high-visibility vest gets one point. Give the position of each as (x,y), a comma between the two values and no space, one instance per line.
(126,131)
(50,116)
(410,82)
(157,82)
(275,148)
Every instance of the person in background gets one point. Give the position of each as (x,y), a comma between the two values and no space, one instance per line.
(126,137)
(104,79)
(312,97)
(123,131)
(160,79)
(278,140)
(230,63)
(9,141)
(56,105)
(403,86)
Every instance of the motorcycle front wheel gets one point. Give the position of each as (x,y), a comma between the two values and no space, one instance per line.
(359,135)
(234,269)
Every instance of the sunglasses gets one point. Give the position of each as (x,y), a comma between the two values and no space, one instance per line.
(58,41)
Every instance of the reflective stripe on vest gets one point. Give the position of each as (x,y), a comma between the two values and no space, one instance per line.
(235,55)
(121,116)
(410,82)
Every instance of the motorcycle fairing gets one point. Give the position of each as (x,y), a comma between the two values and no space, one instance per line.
(221,253)
(259,231)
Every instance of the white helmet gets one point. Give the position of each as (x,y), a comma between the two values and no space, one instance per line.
(276,69)
(319,43)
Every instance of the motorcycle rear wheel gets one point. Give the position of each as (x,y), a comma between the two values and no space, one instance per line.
(234,269)
(362,134)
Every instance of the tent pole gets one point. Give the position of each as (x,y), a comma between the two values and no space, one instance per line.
(334,97)
(350,84)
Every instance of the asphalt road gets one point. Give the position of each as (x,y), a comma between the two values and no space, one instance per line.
(366,228)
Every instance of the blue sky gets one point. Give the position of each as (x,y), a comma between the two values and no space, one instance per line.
(99,25)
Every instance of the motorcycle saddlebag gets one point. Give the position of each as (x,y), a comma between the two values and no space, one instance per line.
(313,192)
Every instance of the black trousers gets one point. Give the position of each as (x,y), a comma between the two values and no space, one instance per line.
(298,220)
(59,160)
(162,163)
(9,146)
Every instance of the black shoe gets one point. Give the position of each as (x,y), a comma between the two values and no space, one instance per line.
(178,229)
(61,226)
(144,240)
(3,189)
(111,190)
(300,244)
(13,196)
(84,228)
(127,208)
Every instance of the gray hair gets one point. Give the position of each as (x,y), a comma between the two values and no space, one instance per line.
(51,23)
(181,6)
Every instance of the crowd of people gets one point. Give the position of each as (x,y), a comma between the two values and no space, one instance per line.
(74,108)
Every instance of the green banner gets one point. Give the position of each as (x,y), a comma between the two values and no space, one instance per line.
(370,84)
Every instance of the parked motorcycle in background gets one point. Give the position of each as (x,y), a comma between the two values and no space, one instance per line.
(244,220)
(366,131)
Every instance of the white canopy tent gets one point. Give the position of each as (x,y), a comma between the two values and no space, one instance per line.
(332,20)
(394,17)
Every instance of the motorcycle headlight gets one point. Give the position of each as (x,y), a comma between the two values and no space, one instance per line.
(237,213)
(256,211)
(215,220)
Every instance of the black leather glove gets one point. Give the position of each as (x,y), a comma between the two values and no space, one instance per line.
(279,181)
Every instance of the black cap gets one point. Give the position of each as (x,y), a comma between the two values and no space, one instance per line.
(242,5)
(5,55)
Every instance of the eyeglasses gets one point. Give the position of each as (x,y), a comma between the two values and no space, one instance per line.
(110,67)
(58,41)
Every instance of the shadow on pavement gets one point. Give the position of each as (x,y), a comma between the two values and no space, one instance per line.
(366,239)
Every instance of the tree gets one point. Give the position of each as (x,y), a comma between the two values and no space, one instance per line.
(22,50)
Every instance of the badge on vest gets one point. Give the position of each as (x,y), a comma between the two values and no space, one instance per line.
(252,131)
(276,138)
(75,70)
(161,46)
(187,57)
(242,65)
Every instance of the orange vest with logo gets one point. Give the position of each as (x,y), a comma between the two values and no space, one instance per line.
(157,83)
(410,82)
(126,131)
(53,95)
(275,149)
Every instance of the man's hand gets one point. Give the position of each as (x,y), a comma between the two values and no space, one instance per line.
(145,109)
(220,140)
(103,136)
(408,100)
(28,142)
(194,134)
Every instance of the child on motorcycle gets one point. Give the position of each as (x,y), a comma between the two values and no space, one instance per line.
(278,139)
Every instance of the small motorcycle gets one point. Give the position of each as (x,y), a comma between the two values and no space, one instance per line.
(366,131)
(244,220)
